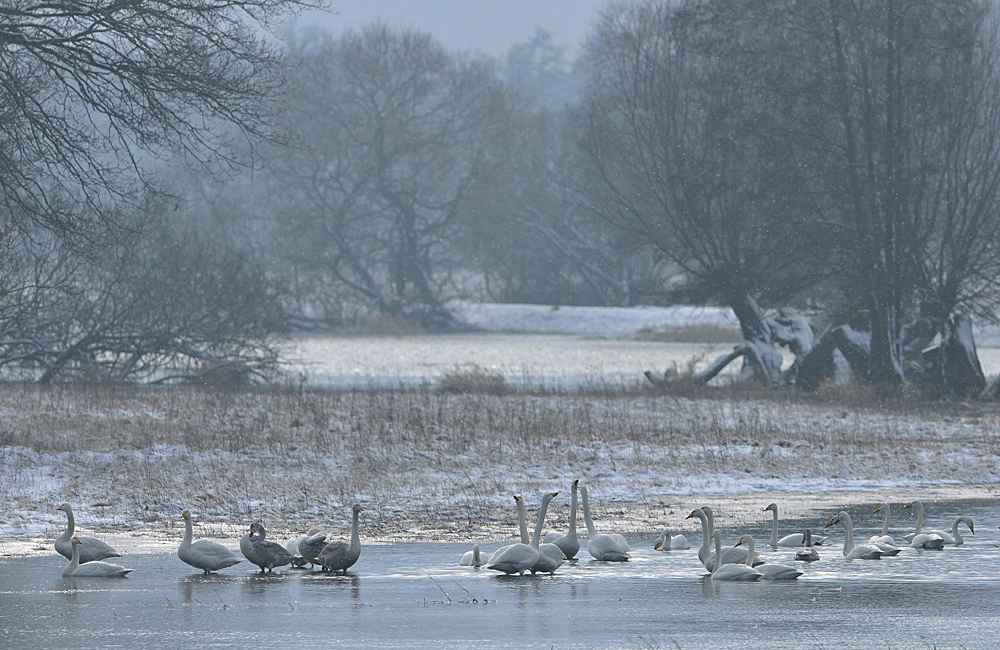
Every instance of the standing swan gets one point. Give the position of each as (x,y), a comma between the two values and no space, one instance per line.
(518,558)
(731,572)
(310,544)
(932,540)
(852,552)
(204,554)
(473,558)
(340,556)
(807,553)
(666,542)
(92,569)
(604,548)
(522,527)
(768,571)
(788,541)
(730,555)
(265,554)
(569,543)
(91,549)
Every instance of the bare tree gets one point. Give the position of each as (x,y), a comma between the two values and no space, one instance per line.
(390,133)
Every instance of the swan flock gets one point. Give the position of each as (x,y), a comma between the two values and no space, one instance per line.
(538,554)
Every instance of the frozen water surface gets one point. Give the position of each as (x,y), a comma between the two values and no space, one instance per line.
(943,599)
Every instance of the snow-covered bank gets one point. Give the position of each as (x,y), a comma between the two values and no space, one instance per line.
(432,466)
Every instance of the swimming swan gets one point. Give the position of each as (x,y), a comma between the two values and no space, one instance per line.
(948,539)
(204,554)
(769,571)
(604,548)
(885,537)
(91,549)
(341,556)
(265,554)
(931,540)
(668,542)
(92,569)
(730,555)
(569,543)
(522,527)
(954,529)
(852,552)
(788,541)
(473,558)
(731,572)
(807,553)
(518,558)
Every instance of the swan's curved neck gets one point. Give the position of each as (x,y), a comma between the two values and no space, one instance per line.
(591,531)
(774,527)
(475,554)
(807,538)
(572,512)
(718,551)
(920,516)
(885,522)
(537,535)
(954,530)
(73,563)
(355,538)
(845,521)
(711,519)
(706,534)
(70,526)
(188,533)
(522,521)
(750,550)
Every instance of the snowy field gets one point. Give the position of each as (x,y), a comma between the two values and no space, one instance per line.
(434,466)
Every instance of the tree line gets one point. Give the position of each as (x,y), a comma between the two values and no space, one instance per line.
(828,170)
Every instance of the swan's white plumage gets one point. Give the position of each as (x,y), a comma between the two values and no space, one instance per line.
(604,548)
(852,551)
(204,554)
(769,571)
(93,569)
(90,549)
(569,543)
(732,572)
(788,541)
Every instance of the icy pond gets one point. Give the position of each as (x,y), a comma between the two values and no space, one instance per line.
(414,596)
(565,360)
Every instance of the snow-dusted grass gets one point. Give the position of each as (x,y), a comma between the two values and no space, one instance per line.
(432,465)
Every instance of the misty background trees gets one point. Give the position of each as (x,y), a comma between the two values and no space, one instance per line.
(178,190)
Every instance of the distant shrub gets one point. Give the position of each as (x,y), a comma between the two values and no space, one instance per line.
(473,379)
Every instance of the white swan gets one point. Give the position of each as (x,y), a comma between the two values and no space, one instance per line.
(604,548)
(730,555)
(311,544)
(852,552)
(807,553)
(731,572)
(518,558)
(341,556)
(569,543)
(473,558)
(260,551)
(522,526)
(204,554)
(958,541)
(788,541)
(92,569)
(885,537)
(550,556)
(668,542)
(91,549)
(768,571)
(947,539)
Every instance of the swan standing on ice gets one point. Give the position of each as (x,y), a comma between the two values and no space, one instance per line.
(569,543)
(341,556)
(92,569)
(666,542)
(90,548)
(731,572)
(604,548)
(473,558)
(204,554)
(262,552)
(788,541)
(807,553)
(768,571)
(852,552)
(730,555)
(522,526)
(310,545)
(518,558)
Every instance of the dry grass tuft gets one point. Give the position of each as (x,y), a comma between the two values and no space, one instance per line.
(473,379)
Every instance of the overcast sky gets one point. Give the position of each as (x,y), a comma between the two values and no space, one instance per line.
(490,26)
